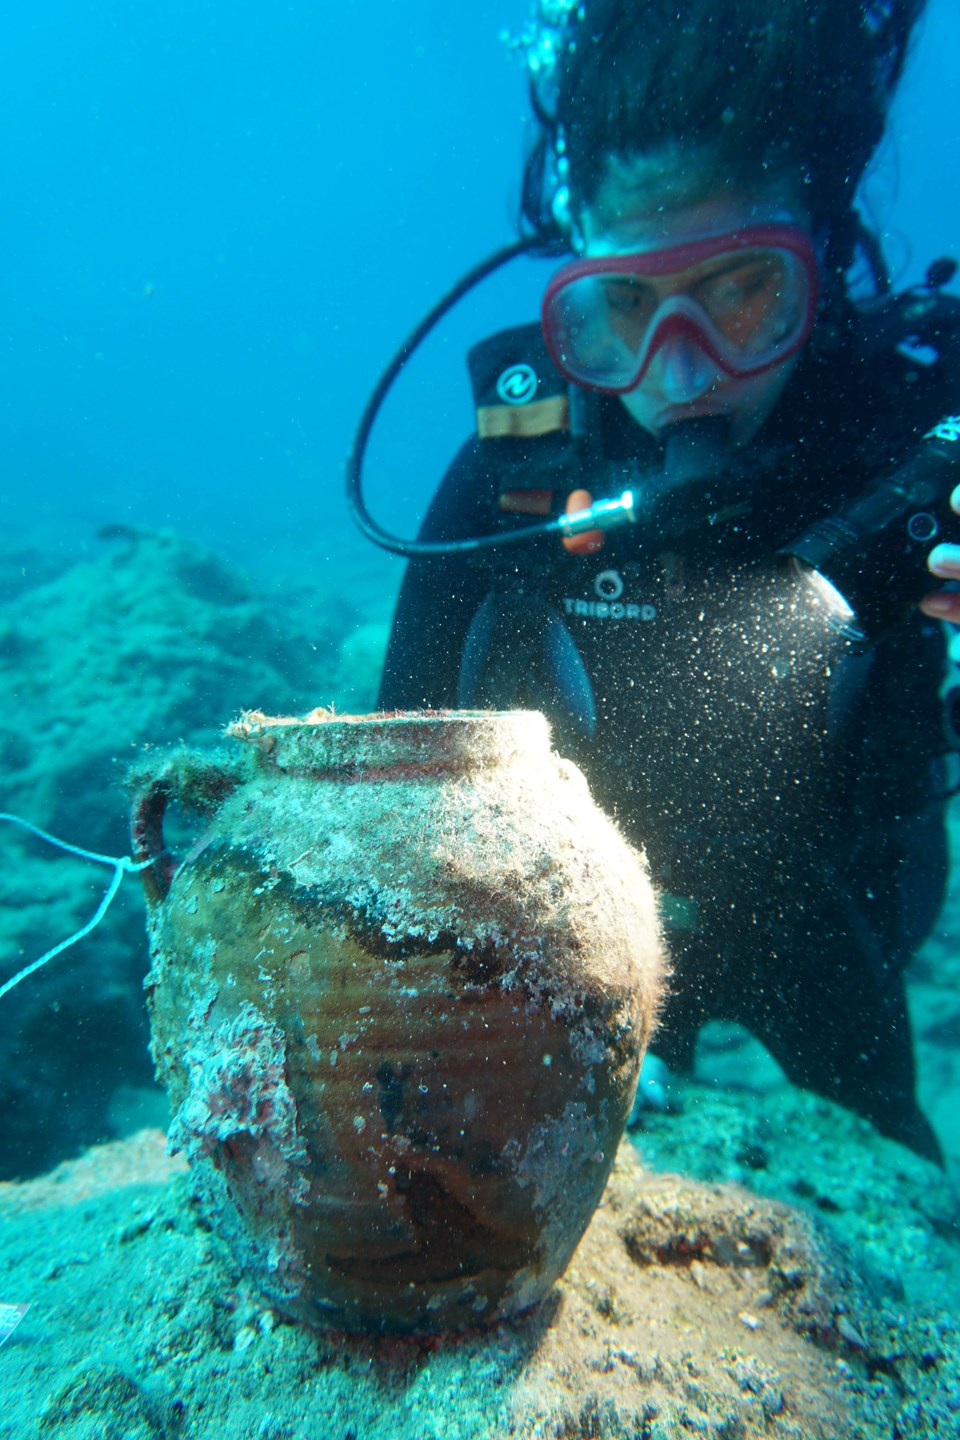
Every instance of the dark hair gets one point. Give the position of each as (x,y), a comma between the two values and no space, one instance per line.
(765,85)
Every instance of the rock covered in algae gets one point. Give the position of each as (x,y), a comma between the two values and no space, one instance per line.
(401,989)
(688,1310)
(142,639)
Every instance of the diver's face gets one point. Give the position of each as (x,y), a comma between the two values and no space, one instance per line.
(654,202)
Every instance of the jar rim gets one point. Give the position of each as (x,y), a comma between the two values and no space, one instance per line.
(393,739)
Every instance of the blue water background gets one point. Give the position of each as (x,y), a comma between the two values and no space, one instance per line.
(219,221)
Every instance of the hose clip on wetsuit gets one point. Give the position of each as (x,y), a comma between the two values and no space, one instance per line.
(695,451)
(868,561)
(700,491)
(599,515)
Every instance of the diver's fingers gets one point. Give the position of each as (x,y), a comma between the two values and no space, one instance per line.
(942,605)
(944,561)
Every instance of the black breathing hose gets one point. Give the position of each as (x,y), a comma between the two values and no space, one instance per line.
(354,477)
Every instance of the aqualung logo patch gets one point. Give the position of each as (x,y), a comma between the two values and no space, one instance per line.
(517,385)
(608,587)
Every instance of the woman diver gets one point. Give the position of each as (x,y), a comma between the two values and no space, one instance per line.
(707,359)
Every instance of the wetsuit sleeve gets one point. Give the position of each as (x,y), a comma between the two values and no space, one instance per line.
(439,596)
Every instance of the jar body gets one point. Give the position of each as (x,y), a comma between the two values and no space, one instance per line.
(400,993)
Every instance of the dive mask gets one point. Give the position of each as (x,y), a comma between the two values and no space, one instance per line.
(747,299)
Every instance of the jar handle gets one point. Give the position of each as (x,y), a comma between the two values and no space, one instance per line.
(198,784)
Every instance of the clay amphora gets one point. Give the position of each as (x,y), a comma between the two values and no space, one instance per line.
(400,992)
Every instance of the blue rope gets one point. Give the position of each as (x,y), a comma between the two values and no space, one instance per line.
(122,865)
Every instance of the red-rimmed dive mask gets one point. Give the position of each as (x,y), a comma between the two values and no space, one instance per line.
(746,299)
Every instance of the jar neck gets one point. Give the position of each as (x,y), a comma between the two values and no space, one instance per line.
(454,741)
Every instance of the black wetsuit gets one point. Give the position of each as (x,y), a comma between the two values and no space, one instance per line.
(787,790)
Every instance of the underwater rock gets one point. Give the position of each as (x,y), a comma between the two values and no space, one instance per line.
(685,1311)
(146,641)
(99,1400)
(401,989)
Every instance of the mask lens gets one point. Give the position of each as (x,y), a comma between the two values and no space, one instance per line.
(750,306)
(599,324)
(756,301)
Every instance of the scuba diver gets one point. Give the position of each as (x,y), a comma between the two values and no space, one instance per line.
(695,523)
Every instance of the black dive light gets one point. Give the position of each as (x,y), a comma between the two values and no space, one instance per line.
(868,561)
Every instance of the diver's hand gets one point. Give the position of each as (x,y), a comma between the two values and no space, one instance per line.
(944,562)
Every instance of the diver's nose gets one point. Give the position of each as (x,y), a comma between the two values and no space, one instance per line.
(683,370)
